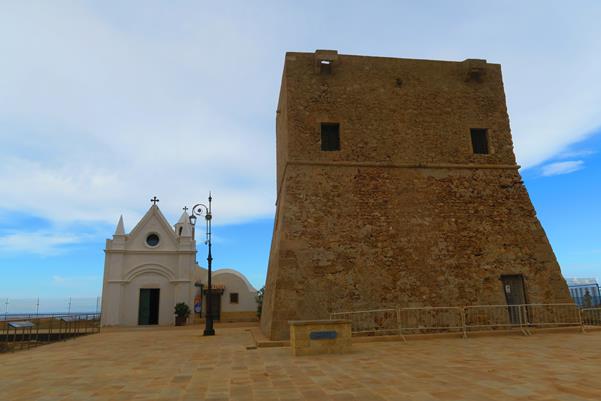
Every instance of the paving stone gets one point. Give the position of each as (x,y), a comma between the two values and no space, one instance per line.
(180,364)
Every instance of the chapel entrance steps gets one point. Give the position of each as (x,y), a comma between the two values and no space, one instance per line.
(469,320)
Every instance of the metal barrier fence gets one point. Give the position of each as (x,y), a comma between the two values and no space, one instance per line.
(593,301)
(430,319)
(371,321)
(541,315)
(467,319)
(591,316)
(25,331)
(490,317)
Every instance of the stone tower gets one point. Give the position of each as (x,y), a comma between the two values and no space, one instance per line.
(397,185)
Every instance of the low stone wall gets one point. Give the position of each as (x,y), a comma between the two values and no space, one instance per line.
(314,337)
(227,317)
(243,316)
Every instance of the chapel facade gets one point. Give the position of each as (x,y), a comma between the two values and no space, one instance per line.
(397,185)
(153,267)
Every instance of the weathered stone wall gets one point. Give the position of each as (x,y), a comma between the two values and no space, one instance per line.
(424,119)
(404,214)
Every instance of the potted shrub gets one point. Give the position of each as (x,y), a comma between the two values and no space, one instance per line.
(182,311)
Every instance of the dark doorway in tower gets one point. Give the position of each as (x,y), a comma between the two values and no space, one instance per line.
(148,312)
(515,296)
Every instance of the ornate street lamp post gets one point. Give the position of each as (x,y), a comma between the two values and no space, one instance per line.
(200,210)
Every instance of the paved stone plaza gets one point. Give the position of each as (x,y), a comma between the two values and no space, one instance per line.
(180,364)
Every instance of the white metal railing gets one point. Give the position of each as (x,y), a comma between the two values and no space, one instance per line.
(35,329)
(466,319)
(591,316)
(541,315)
(421,320)
(489,317)
(371,321)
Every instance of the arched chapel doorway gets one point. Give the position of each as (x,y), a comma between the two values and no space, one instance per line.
(148,310)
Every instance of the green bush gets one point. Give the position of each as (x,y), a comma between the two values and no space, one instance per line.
(182,310)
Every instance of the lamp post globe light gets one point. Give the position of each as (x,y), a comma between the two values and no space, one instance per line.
(203,210)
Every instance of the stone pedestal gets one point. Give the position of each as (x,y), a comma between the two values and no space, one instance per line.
(314,337)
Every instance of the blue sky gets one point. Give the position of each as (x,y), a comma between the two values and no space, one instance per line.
(104,105)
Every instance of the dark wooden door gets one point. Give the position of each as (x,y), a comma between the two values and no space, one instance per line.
(513,287)
(148,310)
(216,306)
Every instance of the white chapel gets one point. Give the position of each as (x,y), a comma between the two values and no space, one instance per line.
(150,269)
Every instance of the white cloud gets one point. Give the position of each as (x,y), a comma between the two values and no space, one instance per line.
(96,120)
(565,167)
(570,154)
(74,281)
(45,243)
(102,106)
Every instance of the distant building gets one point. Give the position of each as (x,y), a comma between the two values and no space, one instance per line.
(579,287)
(153,267)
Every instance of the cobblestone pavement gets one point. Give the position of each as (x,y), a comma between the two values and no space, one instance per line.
(180,364)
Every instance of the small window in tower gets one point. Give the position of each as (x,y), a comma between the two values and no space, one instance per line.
(330,136)
(233,297)
(480,140)
(180,231)
(325,67)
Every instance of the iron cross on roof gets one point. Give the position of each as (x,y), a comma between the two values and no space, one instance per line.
(154,200)
(185,208)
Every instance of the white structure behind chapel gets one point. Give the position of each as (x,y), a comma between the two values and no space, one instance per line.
(149,270)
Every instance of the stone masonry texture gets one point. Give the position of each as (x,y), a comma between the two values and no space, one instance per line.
(404,214)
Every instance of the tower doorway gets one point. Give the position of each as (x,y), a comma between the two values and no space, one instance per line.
(513,287)
(148,312)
